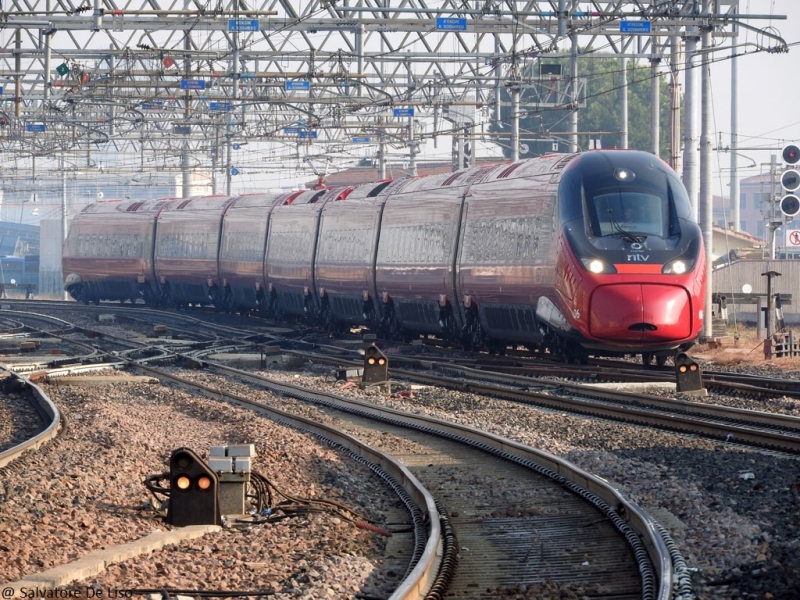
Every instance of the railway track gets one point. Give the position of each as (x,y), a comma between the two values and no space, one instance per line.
(35,430)
(538,520)
(767,430)
(518,547)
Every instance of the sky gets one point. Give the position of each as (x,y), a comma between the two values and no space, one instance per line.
(769,88)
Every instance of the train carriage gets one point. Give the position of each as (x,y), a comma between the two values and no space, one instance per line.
(108,253)
(507,251)
(187,250)
(415,263)
(291,248)
(241,252)
(344,273)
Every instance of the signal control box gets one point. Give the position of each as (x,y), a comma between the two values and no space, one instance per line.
(232,465)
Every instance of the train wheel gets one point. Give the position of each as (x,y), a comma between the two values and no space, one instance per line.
(472,337)
(496,347)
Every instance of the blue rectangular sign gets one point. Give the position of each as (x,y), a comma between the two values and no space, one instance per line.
(154,105)
(222,106)
(443,24)
(308,134)
(292,130)
(360,140)
(634,27)
(403,112)
(35,127)
(247,75)
(193,84)
(242,24)
(1,89)
(298,85)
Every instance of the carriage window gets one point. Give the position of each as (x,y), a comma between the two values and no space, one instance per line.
(631,211)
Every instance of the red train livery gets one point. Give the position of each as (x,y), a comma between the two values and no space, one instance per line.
(592,253)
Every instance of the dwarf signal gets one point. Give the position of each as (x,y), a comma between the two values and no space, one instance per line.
(376,366)
(193,491)
(688,375)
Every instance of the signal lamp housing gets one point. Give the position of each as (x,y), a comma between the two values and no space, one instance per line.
(376,366)
(790,180)
(193,498)
(791,154)
(790,205)
(688,377)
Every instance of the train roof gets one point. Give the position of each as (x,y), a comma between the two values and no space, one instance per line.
(128,206)
(204,203)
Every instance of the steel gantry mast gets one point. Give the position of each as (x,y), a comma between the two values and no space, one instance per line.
(178,85)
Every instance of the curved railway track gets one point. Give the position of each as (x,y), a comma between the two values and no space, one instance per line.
(49,415)
(518,546)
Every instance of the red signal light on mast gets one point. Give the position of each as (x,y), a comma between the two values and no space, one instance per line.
(791,154)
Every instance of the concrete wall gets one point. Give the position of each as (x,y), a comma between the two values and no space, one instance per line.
(51,282)
(730,279)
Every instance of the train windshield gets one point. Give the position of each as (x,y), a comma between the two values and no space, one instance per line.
(623,194)
(629,211)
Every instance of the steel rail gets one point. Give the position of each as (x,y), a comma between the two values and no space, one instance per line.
(625,508)
(424,573)
(678,415)
(49,414)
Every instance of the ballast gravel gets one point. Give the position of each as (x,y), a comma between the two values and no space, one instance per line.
(732,512)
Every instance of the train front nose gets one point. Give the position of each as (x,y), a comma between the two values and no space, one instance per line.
(640,312)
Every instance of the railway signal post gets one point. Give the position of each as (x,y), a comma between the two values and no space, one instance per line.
(790,182)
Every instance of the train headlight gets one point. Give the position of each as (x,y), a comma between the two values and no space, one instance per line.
(624,174)
(678,267)
(595,265)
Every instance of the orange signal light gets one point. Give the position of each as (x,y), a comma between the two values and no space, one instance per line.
(183,482)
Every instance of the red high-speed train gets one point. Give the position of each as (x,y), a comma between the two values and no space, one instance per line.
(590,253)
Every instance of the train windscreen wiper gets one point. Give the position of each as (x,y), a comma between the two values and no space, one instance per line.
(626,235)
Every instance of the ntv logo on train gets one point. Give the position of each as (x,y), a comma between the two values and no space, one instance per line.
(638,257)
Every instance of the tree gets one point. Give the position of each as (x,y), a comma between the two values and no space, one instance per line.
(598,112)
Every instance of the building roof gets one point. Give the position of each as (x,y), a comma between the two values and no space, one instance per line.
(723,240)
